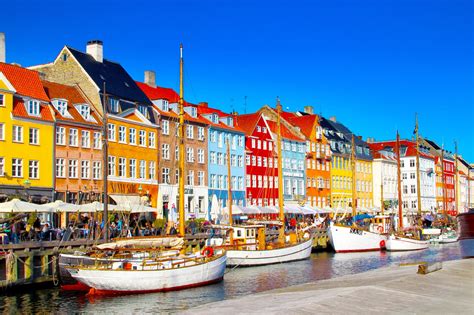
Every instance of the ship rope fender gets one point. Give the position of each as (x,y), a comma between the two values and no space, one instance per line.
(380,229)
(208,251)
(382,244)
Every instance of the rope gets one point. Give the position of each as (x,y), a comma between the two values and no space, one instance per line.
(233,268)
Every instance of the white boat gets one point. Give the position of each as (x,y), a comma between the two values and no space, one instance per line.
(131,277)
(398,243)
(346,239)
(255,257)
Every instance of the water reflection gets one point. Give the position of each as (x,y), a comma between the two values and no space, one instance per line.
(237,282)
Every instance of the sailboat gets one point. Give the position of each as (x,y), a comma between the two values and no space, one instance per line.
(247,244)
(401,241)
(354,238)
(150,268)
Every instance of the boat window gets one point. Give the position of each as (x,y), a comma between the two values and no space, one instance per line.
(248,233)
(239,233)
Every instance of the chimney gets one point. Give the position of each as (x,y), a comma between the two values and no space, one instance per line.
(333,118)
(2,48)
(150,78)
(95,49)
(308,109)
(203,104)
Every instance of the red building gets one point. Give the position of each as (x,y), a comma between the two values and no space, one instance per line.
(260,163)
(449,185)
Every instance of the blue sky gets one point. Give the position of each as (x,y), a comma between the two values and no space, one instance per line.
(370,63)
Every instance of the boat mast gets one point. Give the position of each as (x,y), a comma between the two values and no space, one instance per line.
(354,191)
(281,236)
(105,148)
(382,207)
(418,179)
(229,190)
(181,144)
(456,186)
(399,181)
(445,210)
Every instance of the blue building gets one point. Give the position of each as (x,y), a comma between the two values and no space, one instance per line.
(221,130)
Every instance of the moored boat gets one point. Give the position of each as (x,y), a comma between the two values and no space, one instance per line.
(466,233)
(401,243)
(346,239)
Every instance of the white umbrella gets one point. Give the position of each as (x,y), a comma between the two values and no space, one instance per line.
(214,208)
(18,206)
(159,204)
(62,206)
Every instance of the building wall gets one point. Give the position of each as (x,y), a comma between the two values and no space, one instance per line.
(43,152)
(341,178)
(385,172)
(294,174)
(318,170)
(364,184)
(409,184)
(217,161)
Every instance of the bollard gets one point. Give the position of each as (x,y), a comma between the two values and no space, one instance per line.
(426,268)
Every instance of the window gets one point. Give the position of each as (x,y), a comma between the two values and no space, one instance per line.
(132,136)
(212,157)
(142,169)
(85,111)
(97,140)
(2,166)
(165,151)
(405,189)
(143,110)
(17,133)
(151,170)
(165,105)
(241,182)
(200,178)
(34,136)
(220,159)
(412,175)
(201,133)
(259,128)
(165,175)
(220,139)
(220,181)
(142,138)
(33,169)
(413,189)
(190,154)
(2,100)
(111,132)
(61,107)
(412,163)
(33,108)
(213,182)
(85,169)
(122,167)
(85,139)
(241,141)
(240,161)
(132,168)
(402,163)
(213,136)
(72,171)
(2,131)
(96,170)
(190,178)
(413,204)
(60,168)
(189,131)
(17,168)
(200,156)
(113,105)
(151,139)
(73,137)
(122,134)
(165,127)
(111,166)
(234,142)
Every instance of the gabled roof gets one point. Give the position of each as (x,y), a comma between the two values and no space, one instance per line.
(305,123)
(117,81)
(156,93)
(175,116)
(26,82)
(19,110)
(410,145)
(285,132)
(247,122)
(221,125)
(73,97)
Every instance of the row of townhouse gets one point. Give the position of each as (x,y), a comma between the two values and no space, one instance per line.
(52,131)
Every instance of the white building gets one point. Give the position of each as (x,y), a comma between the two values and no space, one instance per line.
(385,172)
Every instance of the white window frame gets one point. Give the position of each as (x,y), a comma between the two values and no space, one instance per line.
(33,108)
(165,127)
(85,139)
(17,167)
(96,170)
(17,135)
(85,169)
(72,168)
(151,139)
(142,138)
(132,168)
(73,137)
(122,134)
(60,168)
(34,134)
(33,169)
(97,140)
(132,136)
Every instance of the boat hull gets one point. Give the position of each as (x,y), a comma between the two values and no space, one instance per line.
(106,282)
(346,239)
(245,258)
(395,243)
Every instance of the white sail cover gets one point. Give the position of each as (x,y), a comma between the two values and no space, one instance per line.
(155,242)
(18,206)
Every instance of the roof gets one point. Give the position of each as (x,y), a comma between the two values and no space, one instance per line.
(156,93)
(187,117)
(26,82)
(305,123)
(285,132)
(410,145)
(19,110)
(247,122)
(221,125)
(73,96)
(117,81)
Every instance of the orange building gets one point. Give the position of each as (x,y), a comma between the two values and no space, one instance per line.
(318,160)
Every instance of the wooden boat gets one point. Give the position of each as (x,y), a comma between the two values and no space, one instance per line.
(346,239)
(402,243)
(152,269)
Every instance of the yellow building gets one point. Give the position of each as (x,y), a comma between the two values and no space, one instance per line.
(26,136)
(364,184)
(341,179)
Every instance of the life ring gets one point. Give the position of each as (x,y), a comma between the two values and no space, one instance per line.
(207,251)
(380,229)
(382,244)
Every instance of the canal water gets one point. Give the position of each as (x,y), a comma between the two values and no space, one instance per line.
(238,282)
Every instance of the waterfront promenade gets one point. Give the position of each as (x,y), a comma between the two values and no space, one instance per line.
(391,290)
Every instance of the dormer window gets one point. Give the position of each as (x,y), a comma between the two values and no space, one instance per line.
(33,108)
(61,107)
(231,122)
(113,105)
(85,111)
(142,109)
(194,112)
(214,118)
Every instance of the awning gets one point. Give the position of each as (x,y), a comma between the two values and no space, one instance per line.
(125,200)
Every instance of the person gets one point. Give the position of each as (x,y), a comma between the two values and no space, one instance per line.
(36,228)
(45,232)
(14,232)
(293,223)
(173,230)
(192,226)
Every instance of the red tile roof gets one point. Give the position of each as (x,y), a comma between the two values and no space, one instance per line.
(222,125)
(411,149)
(19,110)
(305,123)
(285,132)
(247,122)
(26,82)
(187,117)
(73,96)
(159,93)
